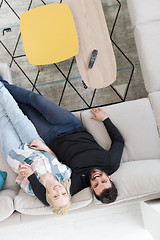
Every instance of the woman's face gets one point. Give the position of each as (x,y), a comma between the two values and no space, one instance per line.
(58,195)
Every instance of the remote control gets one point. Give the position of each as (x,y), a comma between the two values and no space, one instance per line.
(93,58)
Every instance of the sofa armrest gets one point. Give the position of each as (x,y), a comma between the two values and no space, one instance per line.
(5,72)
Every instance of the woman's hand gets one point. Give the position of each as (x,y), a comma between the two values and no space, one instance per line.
(25,170)
(38,145)
(98,114)
(20,177)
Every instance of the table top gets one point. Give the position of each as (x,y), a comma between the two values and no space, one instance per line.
(93,34)
(49,34)
(155,204)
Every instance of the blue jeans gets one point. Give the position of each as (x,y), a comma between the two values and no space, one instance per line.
(49,119)
(15,128)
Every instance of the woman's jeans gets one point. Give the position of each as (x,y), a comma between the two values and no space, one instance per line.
(15,128)
(49,119)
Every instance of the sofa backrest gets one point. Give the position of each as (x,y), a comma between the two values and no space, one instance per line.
(145,18)
(147,40)
(142,11)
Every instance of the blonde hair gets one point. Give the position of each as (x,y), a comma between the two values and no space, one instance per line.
(61,210)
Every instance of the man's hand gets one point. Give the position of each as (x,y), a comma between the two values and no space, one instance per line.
(25,170)
(98,114)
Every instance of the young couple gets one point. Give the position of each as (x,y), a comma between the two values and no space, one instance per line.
(47,146)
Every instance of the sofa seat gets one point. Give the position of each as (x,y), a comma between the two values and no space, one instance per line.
(142,11)
(31,205)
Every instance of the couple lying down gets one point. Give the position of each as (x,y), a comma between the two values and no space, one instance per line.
(52,153)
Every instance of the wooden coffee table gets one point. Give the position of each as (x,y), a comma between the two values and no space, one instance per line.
(93,34)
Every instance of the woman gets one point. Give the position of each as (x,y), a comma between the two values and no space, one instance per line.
(20,144)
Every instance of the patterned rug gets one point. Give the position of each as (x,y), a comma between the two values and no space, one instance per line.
(50,82)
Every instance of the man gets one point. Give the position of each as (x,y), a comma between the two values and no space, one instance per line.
(65,135)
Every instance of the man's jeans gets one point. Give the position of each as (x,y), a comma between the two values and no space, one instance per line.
(49,119)
(15,128)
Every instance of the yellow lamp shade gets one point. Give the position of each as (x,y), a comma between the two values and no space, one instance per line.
(49,34)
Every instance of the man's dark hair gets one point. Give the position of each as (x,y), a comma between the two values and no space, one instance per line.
(108,195)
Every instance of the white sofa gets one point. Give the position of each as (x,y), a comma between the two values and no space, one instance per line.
(138,177)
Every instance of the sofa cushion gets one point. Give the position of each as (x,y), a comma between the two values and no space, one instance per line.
(6,203)
(30,205)
(136,122)
(147,39)
(138,180)
(142,11)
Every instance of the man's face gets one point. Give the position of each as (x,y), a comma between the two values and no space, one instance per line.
(99,181)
